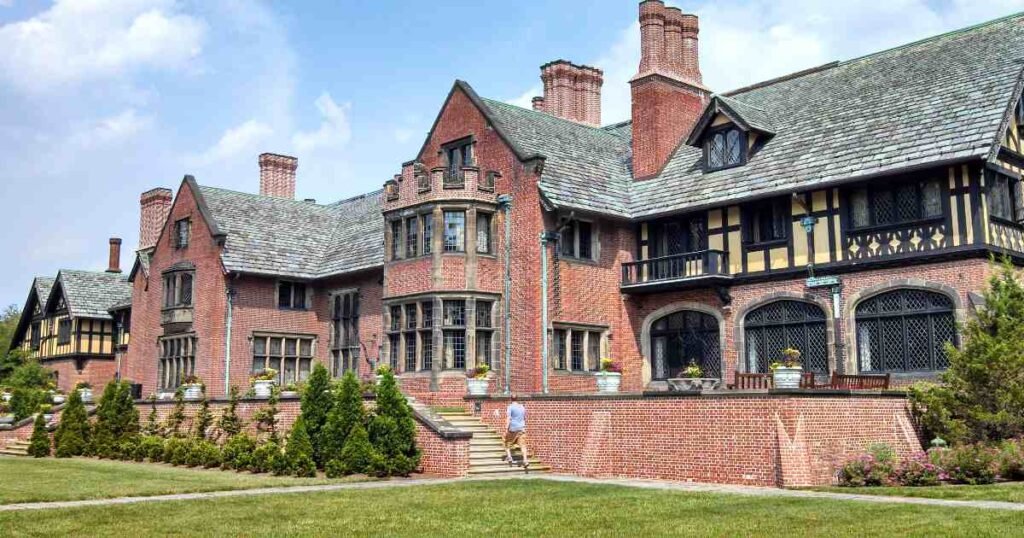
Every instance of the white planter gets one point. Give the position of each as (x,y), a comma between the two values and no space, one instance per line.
(379,378)
(7,419)
(787,378)
(59,399)
(608,381)
(694,383)
(6,396)
(289,393)
(477,387)
(263,388)
(47,417)
(86,395)
(193,392)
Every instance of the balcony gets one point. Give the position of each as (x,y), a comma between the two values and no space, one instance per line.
(678,271)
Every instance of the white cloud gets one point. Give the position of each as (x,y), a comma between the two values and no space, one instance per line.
(110,129)
(526,99)
(75,41)
(237,141)
(335,128)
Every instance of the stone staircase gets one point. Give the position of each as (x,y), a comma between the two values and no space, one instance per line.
(16,447)
(486,452)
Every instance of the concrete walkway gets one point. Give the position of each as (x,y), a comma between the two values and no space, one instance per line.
(646,484)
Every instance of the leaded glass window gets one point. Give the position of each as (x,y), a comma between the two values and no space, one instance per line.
(726,148)
(884,204)
(1000,198)
(783,324)
(684,337)
(905,330)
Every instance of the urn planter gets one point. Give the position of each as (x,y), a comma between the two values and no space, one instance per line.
(6,396)
(263,388)
(6,420)
(477,386)
(787,378)
(608,382)
(58,399)
(194,391)
(683,384)
(86,395)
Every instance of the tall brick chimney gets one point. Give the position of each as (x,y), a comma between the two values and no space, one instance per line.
(277,175)
(668,96)
(155,205)
(114,261)
(571,92)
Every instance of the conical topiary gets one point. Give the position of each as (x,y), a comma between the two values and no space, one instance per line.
(347,412)
(39,444)
(72,435)
(393,430)
(317,402)
(299,451)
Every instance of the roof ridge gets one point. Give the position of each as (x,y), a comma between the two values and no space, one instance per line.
(783,78)
(741,103)
(354,198)
(263,197)
(541,113)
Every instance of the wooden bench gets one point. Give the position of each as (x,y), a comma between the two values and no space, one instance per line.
(765,381)
(752,381)
(860,382)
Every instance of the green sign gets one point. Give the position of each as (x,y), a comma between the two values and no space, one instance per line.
(822,281)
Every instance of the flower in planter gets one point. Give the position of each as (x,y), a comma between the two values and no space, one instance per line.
(790,359)
(479,372)
(693,371)
(291,387)
(383,369)
(266,374)
(83,385)
(192,379)
(611,366)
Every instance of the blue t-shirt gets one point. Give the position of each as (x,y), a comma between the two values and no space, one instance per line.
(516,417)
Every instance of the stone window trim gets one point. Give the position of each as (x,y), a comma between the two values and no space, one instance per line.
(586,330)
(178,289)
(345,344)
(464,150)
(176,358)
(740,315)
(488,180)
(960,314)
(672,308)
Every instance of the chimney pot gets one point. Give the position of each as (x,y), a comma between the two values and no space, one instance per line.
(538,103)
(114,262)
(277,175)
(154,206)
(571,92)
(652,35)
(673,60)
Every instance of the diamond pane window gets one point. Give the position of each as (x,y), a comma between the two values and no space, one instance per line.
(684,337)
(726,148)
(905,330)
(776,326)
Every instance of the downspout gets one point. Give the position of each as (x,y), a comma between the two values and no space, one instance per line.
(230,293)
(545,236)
(505,203)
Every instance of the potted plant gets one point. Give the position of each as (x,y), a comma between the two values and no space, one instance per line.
(5,394)
(6,417)
(786,373)
(47,411)
(193,387)
(84,389)
(610,377)
(57,398)
(476,380)
(290,390)
(381,370)
(263,382)
(692,378)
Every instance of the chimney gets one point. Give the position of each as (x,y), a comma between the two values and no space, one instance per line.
(668,96)
(277,175)
(114,263)
(571,92)
(155,205)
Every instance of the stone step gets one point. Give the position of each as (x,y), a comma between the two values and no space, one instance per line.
(13,452)
(17,442)
(491,460)
(485,441)
(506,469)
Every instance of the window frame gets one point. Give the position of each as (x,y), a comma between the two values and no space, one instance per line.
(563,353)
(176,359)
(453,176)
(345,344)
(751,215)
(64,330)
(182,226)
(412,237)
(397,231)
(456,248)
(1012,201)
(874,190)
(488,231)
(307,298)
(297,358)
(573,250)
(865,321)
(174,295)
(744,141)
(427,233)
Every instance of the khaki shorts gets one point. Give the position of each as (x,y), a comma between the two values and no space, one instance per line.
(515,439)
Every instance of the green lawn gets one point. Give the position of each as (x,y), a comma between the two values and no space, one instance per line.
(1010,492)
(511,508)
(31,480)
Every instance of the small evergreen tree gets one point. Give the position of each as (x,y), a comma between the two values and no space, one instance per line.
(203,419)
(266,418)
(72,435)
(982,395)
(358,456)
(299,451)
(347,412)
(152,425)
(317,402)
(230,424)
(25,401)
(393,431)
(117,420)
(177,416)
(39,444)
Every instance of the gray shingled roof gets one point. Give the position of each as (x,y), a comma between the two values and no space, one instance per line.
(276,236)
(755,117)
(938,100)
(42,285)
(91,294)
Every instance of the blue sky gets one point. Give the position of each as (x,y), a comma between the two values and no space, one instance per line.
(103,99)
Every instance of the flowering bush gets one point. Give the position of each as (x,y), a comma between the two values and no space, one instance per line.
(969,464)
(872,469)
(610,365)
(693,371)
(918,471)
(383,369)
(1011,459)
(790,359)
(192,379)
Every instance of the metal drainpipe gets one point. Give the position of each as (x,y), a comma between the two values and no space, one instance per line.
(227,344)
(545,236)
(505,203)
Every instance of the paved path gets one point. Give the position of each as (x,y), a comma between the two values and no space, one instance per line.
(647,484)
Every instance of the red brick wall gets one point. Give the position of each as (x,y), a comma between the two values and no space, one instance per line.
(442,457)
(96,372)
(764,440)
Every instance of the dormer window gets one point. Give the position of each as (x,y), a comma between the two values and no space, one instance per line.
(725,148)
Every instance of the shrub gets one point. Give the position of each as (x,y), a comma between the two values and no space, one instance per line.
(127,448)
(872,469)
(203,454)
(72,435)
(39,444)
(358,456)
(266,418)
(175,451)
(30,375)
(392,431)
(237,452)
(25,401)
(918,471)
(1010,459)
(334,468)
(969,464)
(265,457)
(982,395)
(203,419)
(177,416)
(150,447)
(298,454)
(317,402)
(116,420)
(347,412)
(230,424)
(152,426)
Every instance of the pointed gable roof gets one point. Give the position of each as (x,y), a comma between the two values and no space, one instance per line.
(745,116)
(89,294)
(37,294)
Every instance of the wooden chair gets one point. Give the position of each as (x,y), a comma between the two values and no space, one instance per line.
(753,381)
(860,382)
(807,381)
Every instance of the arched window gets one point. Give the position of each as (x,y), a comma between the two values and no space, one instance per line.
(905,330)
(684,337)
(771,328)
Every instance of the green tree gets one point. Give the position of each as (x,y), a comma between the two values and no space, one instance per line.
(152,425)
(317,402)
(393,430)
(117,419)
(203,419)
(8,324)
(177,416)
(358,456)
(982,394)
(39,444)
(72,435)
(230,424)
(299,452)
(266,418)
(10,361)
(25,401)
(346,413)
(30,375)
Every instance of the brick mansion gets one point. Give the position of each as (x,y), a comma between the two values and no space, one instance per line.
(849,211)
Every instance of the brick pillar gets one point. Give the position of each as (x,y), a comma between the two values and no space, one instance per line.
(155,205)
(652,35)
(689,57)
(673,61)
(114,258)
(277,175)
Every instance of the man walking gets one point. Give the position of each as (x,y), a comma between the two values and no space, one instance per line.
(515,430)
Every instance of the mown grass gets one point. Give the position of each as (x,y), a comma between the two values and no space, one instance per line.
(511,508)
(36,480)
(1009,492)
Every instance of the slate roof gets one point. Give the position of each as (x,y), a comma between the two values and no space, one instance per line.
(91,294)
(42,285)
(281,237)
(942,99)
